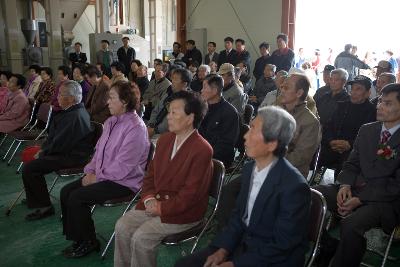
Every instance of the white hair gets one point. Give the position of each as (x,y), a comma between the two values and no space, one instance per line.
(73,88)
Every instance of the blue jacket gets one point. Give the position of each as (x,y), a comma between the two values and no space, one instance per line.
(278,228)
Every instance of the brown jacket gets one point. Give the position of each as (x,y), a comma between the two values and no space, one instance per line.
(181,184)
(306,139)
(96,102)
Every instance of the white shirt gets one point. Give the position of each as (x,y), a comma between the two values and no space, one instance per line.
(258,179)
(391,130)
(176,148)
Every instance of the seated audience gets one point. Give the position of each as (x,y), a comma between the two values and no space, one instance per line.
(271,218)
(78,74)
(34,80)
(197,82)
(102,69)
(213,67)
(263,86)
(220,126)
(158,122)
(4,78)
(114,171)
(141,80)
(117,71)
(156,89)
(232,92)
(68,144)
(367,190)
(383,79)
(135,64)
(244,76)
(63,74)
(97,98)
(326,76)
(340,132)
(156,62)
(327,104)
(16,112)
(259,66)
(193,67)
(46,88)
(176,53)
(175,189)
(383,66)
(272,98)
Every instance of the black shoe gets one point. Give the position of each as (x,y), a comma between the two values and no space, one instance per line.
(84,248)
(327,250)
(40,214)
(70,248)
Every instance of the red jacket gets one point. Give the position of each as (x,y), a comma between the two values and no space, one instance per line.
(181,184)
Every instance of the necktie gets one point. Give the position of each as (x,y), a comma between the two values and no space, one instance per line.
(385,135)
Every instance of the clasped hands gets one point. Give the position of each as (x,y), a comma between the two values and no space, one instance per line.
(218,259)
(345,201)
(340,146)
(153,207)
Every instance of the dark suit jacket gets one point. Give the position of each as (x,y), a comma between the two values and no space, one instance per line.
(214,58)
(377,180)
(227,58)
(192,55)
(126,57)
(246,58)
(73,57)
(277,232)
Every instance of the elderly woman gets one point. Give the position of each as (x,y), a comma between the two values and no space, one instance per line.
(16,113)
(116,170)
(175,189)
(46,88)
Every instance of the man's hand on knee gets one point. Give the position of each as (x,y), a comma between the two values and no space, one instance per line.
(216,258)
(343,195)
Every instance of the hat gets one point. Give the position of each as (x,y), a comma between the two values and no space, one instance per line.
(225,68)
(384,64)
(363,80)
(329,68)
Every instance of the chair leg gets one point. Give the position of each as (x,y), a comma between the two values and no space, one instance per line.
(54,183)
(8,211)
(103,254)
(8,150)
(92,209)
(385,257)
(13,154)
(4,139)
(20,167)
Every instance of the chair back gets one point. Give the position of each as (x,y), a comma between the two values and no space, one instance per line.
(316,223)
(217,179)
(97,131)
(44,113)
(314,165)
(151,154)
(243,129)
(248,113)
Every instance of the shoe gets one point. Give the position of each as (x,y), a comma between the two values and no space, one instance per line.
(70,248)
(84,248)
(40,214)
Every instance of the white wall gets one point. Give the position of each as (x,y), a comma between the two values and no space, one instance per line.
(85,25)
(261,20)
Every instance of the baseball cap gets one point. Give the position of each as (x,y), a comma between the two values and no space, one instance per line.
(329,68)
(363,80)
(225,68)
(384,64)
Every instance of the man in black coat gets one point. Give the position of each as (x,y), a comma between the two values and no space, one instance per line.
(228,55)
(220,126)
(69,143)
(192,53)
(283,57)
(367,191)
(77,57)
(126,54)
(242,54)
(259,66)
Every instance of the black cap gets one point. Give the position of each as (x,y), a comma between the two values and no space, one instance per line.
(329,68)
(363,80)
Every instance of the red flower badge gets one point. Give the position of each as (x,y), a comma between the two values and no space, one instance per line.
(386,152)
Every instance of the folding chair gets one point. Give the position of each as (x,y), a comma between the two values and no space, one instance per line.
(43,115)
(27,126)
(316,224)
(248,114)
(198,231)
(313,166)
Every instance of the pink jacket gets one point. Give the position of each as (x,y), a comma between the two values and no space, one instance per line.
(16,112)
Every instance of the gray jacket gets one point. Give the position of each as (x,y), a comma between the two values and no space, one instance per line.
(350,63)
(236,97)
(156,90)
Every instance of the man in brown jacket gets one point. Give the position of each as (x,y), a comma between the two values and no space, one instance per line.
(96,102)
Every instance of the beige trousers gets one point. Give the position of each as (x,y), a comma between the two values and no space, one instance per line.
(137,236)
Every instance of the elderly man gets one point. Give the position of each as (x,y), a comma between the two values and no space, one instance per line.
(69,143)
(263,86)
(220,126)
(232,92)
(268,225)
(367,191)
(383,79)
(197,83)
(340,132)
(383,66)
(327,104)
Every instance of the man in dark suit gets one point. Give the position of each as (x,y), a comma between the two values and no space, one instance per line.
(242,54)
(78,57)
(367,193)
(228,55)
(269,224)
(192,53)
(211,55)
(126,54)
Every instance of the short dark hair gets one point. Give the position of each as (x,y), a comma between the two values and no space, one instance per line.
(21,81)
(216,81)
(392,88)
(240,41)
(65,70)
(48,70)
(125,38)
(81,68)
(348,47)
(212,43)
(105,41)
(126,94)
(78,43)
(6,73)
(185,75)
(178,44)
(102,66)
(194,63)
(194,104)
(159,61)
(93,71)
(283,36)
(35,67)
(118,66)
(302,83)
(228,39)
(192,42)
(264,44)
(137,61)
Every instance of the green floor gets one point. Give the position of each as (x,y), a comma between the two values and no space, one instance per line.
(39,243)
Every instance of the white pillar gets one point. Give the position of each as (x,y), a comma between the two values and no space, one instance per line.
(155,25)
